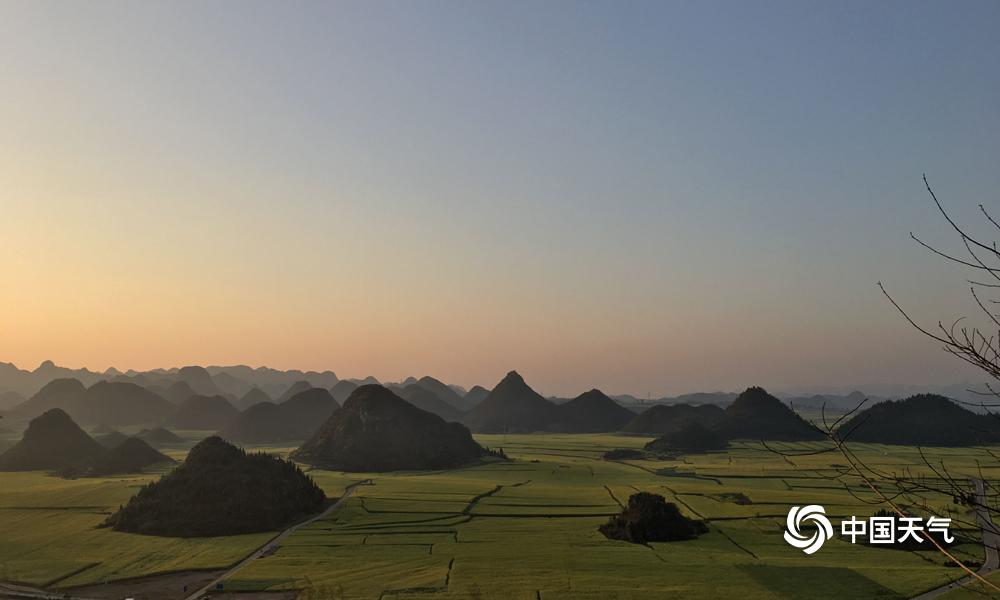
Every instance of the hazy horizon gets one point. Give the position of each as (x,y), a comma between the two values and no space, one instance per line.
(649,198)
(878,389)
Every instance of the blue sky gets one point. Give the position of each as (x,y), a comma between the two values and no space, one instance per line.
(645,197)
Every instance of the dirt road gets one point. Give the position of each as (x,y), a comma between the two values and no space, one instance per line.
(991,542)
(272,546)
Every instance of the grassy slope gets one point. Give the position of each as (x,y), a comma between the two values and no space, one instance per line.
(416,532)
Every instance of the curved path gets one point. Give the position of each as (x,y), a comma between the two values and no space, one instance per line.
(991,542)
(272,545)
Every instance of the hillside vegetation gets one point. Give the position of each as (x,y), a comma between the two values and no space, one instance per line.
(221,490)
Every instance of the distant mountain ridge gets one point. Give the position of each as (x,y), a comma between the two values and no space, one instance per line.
(232,380)
(754,414)
(114,403)
(513,407)
(27,383)
(292,420)
(475,395)
(443,391)
(425,399)
(295,388)
(54,442)
(254,396)
(131,455)
(203,412)
(667,418)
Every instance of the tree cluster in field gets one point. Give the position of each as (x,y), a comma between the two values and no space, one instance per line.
(221,490)
(650,518)
(496,452)
(736,498)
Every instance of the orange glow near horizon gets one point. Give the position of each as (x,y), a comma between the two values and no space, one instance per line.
(322,187)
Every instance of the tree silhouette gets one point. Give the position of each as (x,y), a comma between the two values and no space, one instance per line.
(902,493)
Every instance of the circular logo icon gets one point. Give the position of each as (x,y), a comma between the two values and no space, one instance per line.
(797,515)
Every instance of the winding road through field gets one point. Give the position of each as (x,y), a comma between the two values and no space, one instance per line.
(272,545)
(991,543)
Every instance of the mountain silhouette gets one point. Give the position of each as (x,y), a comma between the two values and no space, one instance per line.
(178,392)
(199,379)
(343,390)
(590,412)
(755,414)
(130,456)
(258,424)
(254,396)
(831,403)
(689,438)
(921,420)
(295,388)
(203,412)
(221,490)
(314,403)
(230,384)
(293,420)
(238,379)
(701,398)
(424,399)
(227,380)
(475,395)
(512,406)
(9,400)
(378,431)
(62,393)
(110,439)
(110,403)
(444,392)
(665,418)
(160,436)
(52,441)
(120,404)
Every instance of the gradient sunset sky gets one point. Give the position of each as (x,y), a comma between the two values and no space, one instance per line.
(642,197)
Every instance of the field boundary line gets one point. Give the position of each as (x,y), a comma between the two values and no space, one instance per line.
(276,541)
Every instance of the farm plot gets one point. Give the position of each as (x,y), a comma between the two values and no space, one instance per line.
(528,529)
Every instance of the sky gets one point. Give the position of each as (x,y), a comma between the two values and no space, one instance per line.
(648,198)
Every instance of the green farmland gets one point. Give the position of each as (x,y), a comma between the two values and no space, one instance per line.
(520,529)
